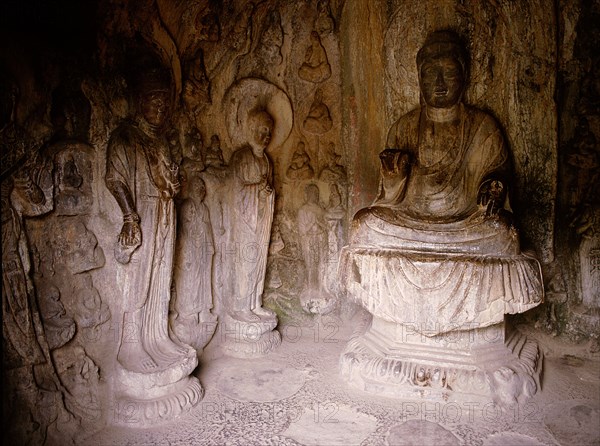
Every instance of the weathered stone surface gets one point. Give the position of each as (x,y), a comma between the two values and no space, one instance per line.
(416,432)
(574,421)
(511,438)
(332,424)
(264,382)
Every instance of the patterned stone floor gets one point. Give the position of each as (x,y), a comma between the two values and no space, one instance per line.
(295,397)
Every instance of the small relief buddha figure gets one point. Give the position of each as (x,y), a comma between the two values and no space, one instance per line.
(300,168)
(69,197)
(193,261)
(214,157)
(324,23)
(196,91)
(333,172)
(316,67)
(318,120)
(207,26)
(312,231)
(271,40)
(59,327)
(70,177)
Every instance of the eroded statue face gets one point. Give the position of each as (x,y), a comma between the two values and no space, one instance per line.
(262,128)
(155,108)
(441,81)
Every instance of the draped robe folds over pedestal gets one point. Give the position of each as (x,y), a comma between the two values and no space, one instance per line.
(151,266)
(252,217)
(426,255)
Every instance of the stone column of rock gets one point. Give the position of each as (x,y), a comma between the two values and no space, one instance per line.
(436,259)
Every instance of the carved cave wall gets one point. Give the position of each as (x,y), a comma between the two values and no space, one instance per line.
(347,71)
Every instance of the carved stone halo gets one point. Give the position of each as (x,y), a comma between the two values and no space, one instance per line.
(252,93)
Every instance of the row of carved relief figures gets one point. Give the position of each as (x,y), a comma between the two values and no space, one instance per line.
(191,244)
(218,208)
(177,213)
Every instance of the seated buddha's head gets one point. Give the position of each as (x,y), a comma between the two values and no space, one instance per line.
(442,67)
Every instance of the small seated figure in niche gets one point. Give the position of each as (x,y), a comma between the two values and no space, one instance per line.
(214,157)
(271,40)
(324,23)
(240,38)
(300,168)
(196,91)
(69,197)
(194,146)
(70,177)
(316,67)
(252,207)
(70,113)
(318,120)
(333,172)
(207,26)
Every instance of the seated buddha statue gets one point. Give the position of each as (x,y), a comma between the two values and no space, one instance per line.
(438,245)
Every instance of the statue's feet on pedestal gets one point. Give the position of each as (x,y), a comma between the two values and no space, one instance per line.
(132,356)
(149,391)
(196,329)
(264,313)
(246,316)
(247,335)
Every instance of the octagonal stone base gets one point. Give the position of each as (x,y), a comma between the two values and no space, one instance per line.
(398,361)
